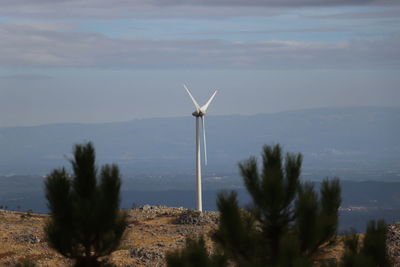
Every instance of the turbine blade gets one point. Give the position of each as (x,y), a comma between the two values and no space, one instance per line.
(191,97)
(205,107)
(204,140)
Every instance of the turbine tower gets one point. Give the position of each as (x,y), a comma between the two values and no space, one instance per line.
(199,113)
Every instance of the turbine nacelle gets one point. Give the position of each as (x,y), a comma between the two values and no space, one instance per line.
(198,113)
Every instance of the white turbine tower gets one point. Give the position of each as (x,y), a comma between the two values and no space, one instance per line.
(200,112)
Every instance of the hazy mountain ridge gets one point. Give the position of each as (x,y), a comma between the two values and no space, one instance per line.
(330,138)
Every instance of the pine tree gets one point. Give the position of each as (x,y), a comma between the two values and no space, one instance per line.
(86,222)
(287,220)
(372,252)
(317,216)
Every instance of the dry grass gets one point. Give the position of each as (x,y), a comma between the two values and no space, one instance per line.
(146,240)
(22,239)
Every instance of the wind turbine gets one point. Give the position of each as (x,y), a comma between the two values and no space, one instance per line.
(199,113)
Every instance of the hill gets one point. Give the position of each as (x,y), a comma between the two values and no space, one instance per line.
(152,231)
(357,139)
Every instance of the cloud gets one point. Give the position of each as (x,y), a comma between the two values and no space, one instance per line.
(27,45)
(43,25)
(246,32)
(25,77)
(385,13)
(165,8)
(276,3)
(140,3)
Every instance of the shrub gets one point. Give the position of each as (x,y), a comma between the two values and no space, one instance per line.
(86,222)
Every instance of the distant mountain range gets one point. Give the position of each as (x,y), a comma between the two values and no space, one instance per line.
(359,139)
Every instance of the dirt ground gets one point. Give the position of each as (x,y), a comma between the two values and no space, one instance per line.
(152,231)
(150,234)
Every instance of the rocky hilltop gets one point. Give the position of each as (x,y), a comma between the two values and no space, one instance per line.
(152,231)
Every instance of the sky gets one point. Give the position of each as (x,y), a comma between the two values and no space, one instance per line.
(92,61)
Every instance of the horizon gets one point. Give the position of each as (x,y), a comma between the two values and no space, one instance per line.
(208,115)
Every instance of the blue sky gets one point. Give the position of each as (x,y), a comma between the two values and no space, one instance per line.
(97,61)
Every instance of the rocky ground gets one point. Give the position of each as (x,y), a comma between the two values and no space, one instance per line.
(393,242)
(152,231)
